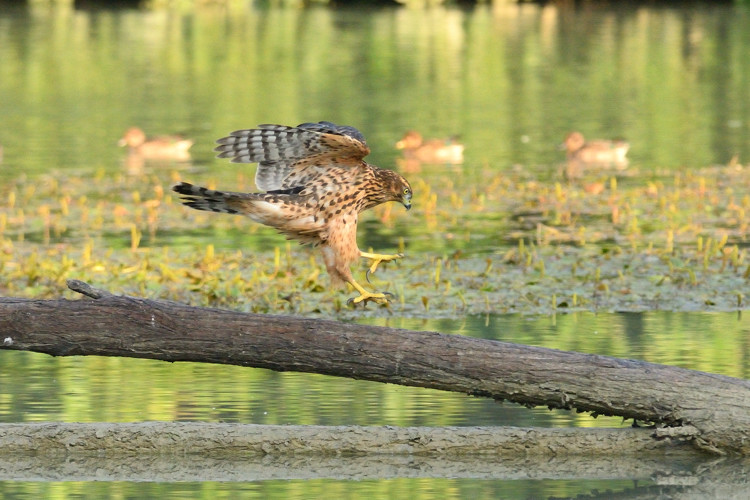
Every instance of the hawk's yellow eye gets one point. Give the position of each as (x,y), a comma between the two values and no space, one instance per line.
(407,190)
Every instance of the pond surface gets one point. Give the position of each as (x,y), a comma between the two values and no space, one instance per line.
(36,387)
(509,80)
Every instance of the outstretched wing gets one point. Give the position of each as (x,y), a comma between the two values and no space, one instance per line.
(286,154)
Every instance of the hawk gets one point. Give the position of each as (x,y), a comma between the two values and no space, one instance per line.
(315,183)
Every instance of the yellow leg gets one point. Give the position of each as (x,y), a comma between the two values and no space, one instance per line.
(377,258)
(365,296)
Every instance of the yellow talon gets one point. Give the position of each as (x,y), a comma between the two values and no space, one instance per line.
(365,296)
(377,258)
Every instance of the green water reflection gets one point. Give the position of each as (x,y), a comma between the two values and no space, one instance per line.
(387,489)
(510,79)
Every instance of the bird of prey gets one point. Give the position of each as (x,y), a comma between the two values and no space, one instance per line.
(315,183)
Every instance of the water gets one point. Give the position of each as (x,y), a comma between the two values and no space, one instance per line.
(91,389)
(510,80)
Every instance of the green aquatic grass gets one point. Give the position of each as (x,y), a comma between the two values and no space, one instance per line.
(508,244)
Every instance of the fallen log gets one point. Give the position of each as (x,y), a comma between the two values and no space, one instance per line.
(203,451)
(229,440)
(710,411)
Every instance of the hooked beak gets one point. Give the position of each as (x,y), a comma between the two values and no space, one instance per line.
(407,201)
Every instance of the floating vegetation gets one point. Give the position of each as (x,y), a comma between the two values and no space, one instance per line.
(500,244)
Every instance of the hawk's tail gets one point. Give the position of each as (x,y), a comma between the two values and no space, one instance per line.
(201,198)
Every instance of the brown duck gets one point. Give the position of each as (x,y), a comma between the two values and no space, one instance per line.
(436,151)
(596,152)
(166,147)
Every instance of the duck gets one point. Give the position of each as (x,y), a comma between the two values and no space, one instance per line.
(432,151)
(596,152)
(165,147)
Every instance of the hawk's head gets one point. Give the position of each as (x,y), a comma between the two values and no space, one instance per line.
(395,188)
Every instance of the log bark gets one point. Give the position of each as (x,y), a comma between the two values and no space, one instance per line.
(157,452)
(710,411)
(230,440)
(194,451)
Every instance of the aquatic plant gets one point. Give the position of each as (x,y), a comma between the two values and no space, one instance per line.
(508,244)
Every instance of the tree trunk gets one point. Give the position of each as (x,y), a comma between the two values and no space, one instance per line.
(710,411)
(203,451)
(193,451)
